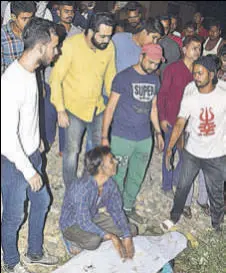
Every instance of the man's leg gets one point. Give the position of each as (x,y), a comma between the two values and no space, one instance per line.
(214,173)
(189,170)
(14,188)
(95,129)
(122,149)
(39,206)
(136,171)
(167,176)
(61,139)
(73,136)
(203,195)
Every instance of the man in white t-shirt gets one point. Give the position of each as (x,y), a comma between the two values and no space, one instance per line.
(205,111)
(21,162)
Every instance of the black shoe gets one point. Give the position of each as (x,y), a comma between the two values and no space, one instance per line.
(187,212)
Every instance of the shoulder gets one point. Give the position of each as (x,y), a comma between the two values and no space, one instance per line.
(190,90)
(124,73)
(121,36)
(4,31)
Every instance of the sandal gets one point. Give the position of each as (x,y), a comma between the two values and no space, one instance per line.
(205,208)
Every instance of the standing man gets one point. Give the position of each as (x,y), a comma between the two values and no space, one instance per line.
(188,30)
(20,156)
(199,29)
(204,108)
(65,12)
(128,46)
(87,62)
(170,47)
(214,41)
(12,45)
(133,102)
(83,227)
(174,35)
(175,78)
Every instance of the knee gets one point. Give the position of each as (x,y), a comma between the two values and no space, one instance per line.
(12,221)
(93,243)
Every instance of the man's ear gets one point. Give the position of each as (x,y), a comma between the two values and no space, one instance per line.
(212,74)
(13,17)
(202,19)
(58,12)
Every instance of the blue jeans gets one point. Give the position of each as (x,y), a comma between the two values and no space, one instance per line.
(215,174)
(169,178)
(51,122)
(73,138)
(15,190)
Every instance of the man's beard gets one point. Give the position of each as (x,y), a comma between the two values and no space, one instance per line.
(101,46)
(146,70)
(134,24)
(202,86)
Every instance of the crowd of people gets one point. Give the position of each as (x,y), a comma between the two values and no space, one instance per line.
(127,83)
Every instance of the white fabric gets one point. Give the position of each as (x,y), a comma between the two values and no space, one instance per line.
(212,51)
(42,12)
(151,254)
(176,33)
(19,117)
(3,7)
(206,114)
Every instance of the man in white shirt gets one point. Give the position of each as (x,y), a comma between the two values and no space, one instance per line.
(205,111)
(20,139)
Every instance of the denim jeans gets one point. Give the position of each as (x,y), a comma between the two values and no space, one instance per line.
(73,137)
(50,121)
(169,178)
(214,173)
(15,190)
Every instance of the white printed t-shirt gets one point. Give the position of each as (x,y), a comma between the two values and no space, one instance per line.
(206,114)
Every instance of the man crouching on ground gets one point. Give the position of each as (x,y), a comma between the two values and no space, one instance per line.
(82,225)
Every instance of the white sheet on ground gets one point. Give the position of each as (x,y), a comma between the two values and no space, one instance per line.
(151,254)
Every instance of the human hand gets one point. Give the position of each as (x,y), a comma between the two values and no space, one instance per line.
(168,159)
(63,119)
(41,146)
(117,243)
(160,142)
(105,142)
(129,247)
(164,125)
(35,182)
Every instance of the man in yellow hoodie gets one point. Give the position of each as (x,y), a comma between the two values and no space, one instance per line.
(86,64)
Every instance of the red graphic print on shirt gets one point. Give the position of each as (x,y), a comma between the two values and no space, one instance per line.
(207,125)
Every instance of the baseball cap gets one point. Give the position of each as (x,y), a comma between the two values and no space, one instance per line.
(153,51)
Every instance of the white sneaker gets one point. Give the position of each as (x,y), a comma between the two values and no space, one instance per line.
(17,269)
(45,260)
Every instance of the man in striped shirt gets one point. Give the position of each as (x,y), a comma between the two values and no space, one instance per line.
(12,45)
(82,224)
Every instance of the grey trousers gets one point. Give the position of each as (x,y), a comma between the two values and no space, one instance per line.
(91,241)
(214,171)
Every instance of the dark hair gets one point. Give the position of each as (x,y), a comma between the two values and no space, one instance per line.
(164,17)
(189,39)
(153,25)
(189,24)
(22,6)
(66,3)
(38,30)
(214,23)
(171,15)
(133,5)
(216,60)
(99,18)
(222,51)
(94,158)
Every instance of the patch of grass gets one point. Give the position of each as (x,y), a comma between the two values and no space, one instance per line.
(208,257)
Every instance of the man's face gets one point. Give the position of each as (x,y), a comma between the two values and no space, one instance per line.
(202,76)
(197,18)
(50,51)
(109,165)
(22,19)
(134,18)
(102,38)
(192,50)
(214,33)
(148,65)
(66,14)
(151,38)
(223,61)
(173,25)
(189,31)
(166,25)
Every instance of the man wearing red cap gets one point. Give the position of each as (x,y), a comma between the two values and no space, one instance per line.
(133,102)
